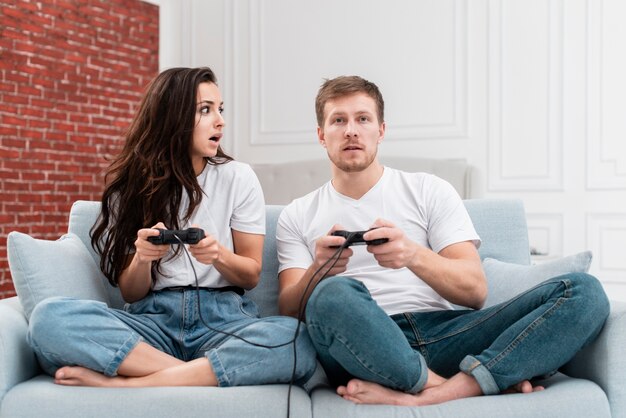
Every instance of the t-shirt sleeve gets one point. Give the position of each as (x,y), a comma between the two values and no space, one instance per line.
(290,243)
(249,208)
(448,220)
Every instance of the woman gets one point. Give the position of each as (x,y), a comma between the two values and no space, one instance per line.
(187,321)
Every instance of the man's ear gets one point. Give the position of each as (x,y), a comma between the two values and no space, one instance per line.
(381,132)
(320,137)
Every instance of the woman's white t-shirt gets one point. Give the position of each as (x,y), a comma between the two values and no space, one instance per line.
(232,200)
(425,207)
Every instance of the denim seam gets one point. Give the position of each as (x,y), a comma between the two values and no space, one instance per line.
(355,355)
(418,337)
(536,323)
(526,332)
(479,321)
(218,368)
(183,320)
(121,354)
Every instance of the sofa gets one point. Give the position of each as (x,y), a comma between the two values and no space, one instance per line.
(591,385)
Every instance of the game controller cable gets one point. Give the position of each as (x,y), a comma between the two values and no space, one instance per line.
(176,239)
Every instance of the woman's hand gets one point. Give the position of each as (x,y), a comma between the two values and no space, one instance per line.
(147,252)
(207,250)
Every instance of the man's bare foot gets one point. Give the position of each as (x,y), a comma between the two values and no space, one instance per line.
(459,386)
(81,376)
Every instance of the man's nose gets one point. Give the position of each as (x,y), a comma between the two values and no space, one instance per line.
(350,129)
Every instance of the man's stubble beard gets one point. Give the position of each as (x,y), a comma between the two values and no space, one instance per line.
(352,166)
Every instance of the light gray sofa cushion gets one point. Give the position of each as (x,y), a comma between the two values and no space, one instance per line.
(279,187)
(501,225)
(561,399)
(506,280)
(43,268)
(40,397)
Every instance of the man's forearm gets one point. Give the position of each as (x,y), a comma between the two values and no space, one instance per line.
(295,292)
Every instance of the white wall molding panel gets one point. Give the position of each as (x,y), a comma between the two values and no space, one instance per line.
(419,61)
(545,234)
(606,233)
(525,95)
(606,125)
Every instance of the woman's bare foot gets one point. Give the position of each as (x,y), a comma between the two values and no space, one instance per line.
(360,391)
(81,376)
(196,372)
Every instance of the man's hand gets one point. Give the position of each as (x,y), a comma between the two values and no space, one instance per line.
(325,248)
(398,252)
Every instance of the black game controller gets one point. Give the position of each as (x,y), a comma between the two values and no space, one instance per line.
(169,236)
(356,238)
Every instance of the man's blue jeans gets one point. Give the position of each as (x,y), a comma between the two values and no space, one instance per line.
(64,331)
(530,335)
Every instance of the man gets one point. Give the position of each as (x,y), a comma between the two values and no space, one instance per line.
(380,316)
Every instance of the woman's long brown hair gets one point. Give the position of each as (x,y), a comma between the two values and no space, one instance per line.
(145,183)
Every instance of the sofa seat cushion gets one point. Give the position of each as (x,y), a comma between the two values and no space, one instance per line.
(40,397)
(564,397)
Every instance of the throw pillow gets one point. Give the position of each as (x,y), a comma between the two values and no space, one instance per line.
(43,268)
(506,280)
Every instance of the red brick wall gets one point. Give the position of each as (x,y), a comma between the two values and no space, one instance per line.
(71,75)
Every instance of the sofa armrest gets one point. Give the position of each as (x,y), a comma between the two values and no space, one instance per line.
(17,360)
(603,361)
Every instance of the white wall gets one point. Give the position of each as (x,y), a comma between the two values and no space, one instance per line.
(529,91)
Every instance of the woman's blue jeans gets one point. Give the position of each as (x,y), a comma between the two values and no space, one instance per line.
(64,331)
(530,335)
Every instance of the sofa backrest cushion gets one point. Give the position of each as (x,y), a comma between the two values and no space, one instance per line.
(265,294)
(500,223)
(279,187)
(83,216)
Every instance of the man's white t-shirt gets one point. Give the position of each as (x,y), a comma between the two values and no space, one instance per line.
(232,200)
(425,207)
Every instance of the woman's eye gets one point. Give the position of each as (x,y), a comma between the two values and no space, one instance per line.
(221,110)
(204,110)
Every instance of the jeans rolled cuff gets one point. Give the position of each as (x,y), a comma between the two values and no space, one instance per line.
(423,378)
(218,368)
(119,356)
(483,376)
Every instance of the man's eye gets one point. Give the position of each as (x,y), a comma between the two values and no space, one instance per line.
(338,120)
(363,119)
